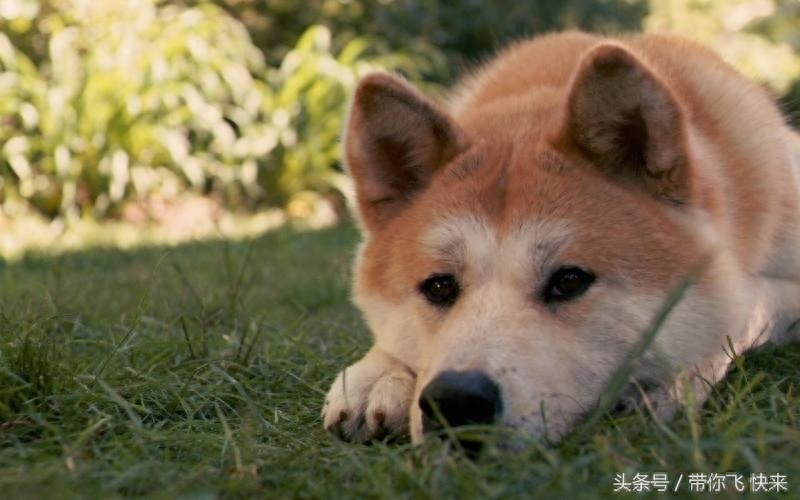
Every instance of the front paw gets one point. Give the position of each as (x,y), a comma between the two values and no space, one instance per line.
(369,400)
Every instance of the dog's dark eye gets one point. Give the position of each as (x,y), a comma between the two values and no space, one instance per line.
(567,283)
(440,289)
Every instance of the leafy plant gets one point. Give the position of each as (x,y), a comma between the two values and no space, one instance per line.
(135,100)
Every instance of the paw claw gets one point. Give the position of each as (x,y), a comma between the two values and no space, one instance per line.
(373,404)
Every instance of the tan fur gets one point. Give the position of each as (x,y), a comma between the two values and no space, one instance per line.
(638,158)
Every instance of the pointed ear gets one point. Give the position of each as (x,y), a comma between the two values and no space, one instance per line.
(627,122)
(395,141)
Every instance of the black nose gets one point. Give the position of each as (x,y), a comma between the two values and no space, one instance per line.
(460,398)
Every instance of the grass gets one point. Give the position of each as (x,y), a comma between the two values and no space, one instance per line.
(199,372)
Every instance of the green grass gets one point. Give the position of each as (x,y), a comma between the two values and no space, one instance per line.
(199,372)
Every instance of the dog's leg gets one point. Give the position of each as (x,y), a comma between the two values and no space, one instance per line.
(370,399)
(775,318)
(784,280)
(786,298)
(691,387)
(787,326)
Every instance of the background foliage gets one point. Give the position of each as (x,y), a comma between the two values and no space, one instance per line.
(102,103)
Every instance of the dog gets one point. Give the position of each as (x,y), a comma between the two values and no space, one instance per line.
(520,242)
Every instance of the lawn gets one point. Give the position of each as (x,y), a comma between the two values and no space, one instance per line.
(198,372)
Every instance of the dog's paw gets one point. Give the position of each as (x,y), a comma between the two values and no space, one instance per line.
(369,400)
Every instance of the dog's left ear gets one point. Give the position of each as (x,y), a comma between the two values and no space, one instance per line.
(627,122)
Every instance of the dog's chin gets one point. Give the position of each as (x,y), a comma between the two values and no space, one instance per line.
(516,437)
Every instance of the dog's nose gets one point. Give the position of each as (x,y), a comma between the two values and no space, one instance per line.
(460,398)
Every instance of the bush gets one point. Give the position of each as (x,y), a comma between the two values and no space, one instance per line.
(116,100)
(132,99)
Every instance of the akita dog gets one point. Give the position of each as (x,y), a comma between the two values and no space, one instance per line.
(519,242)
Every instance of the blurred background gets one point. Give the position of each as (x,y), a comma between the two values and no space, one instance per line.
(127,121)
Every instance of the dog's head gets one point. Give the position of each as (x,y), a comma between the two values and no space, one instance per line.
(513,254)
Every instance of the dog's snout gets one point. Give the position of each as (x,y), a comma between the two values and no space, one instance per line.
(460,398)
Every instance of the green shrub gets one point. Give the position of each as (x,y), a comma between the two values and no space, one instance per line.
(132,99)
(104,102)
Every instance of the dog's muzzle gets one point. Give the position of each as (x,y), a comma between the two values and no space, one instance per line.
(457,399)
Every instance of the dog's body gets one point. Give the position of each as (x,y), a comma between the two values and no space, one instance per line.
(519,244)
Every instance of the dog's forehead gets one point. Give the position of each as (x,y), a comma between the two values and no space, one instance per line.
(503,208)
(473,241)
(511,182)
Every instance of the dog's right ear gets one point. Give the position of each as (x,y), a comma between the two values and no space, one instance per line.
(395,141)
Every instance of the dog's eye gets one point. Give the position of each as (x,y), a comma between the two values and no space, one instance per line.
(440,289)
(567,283)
